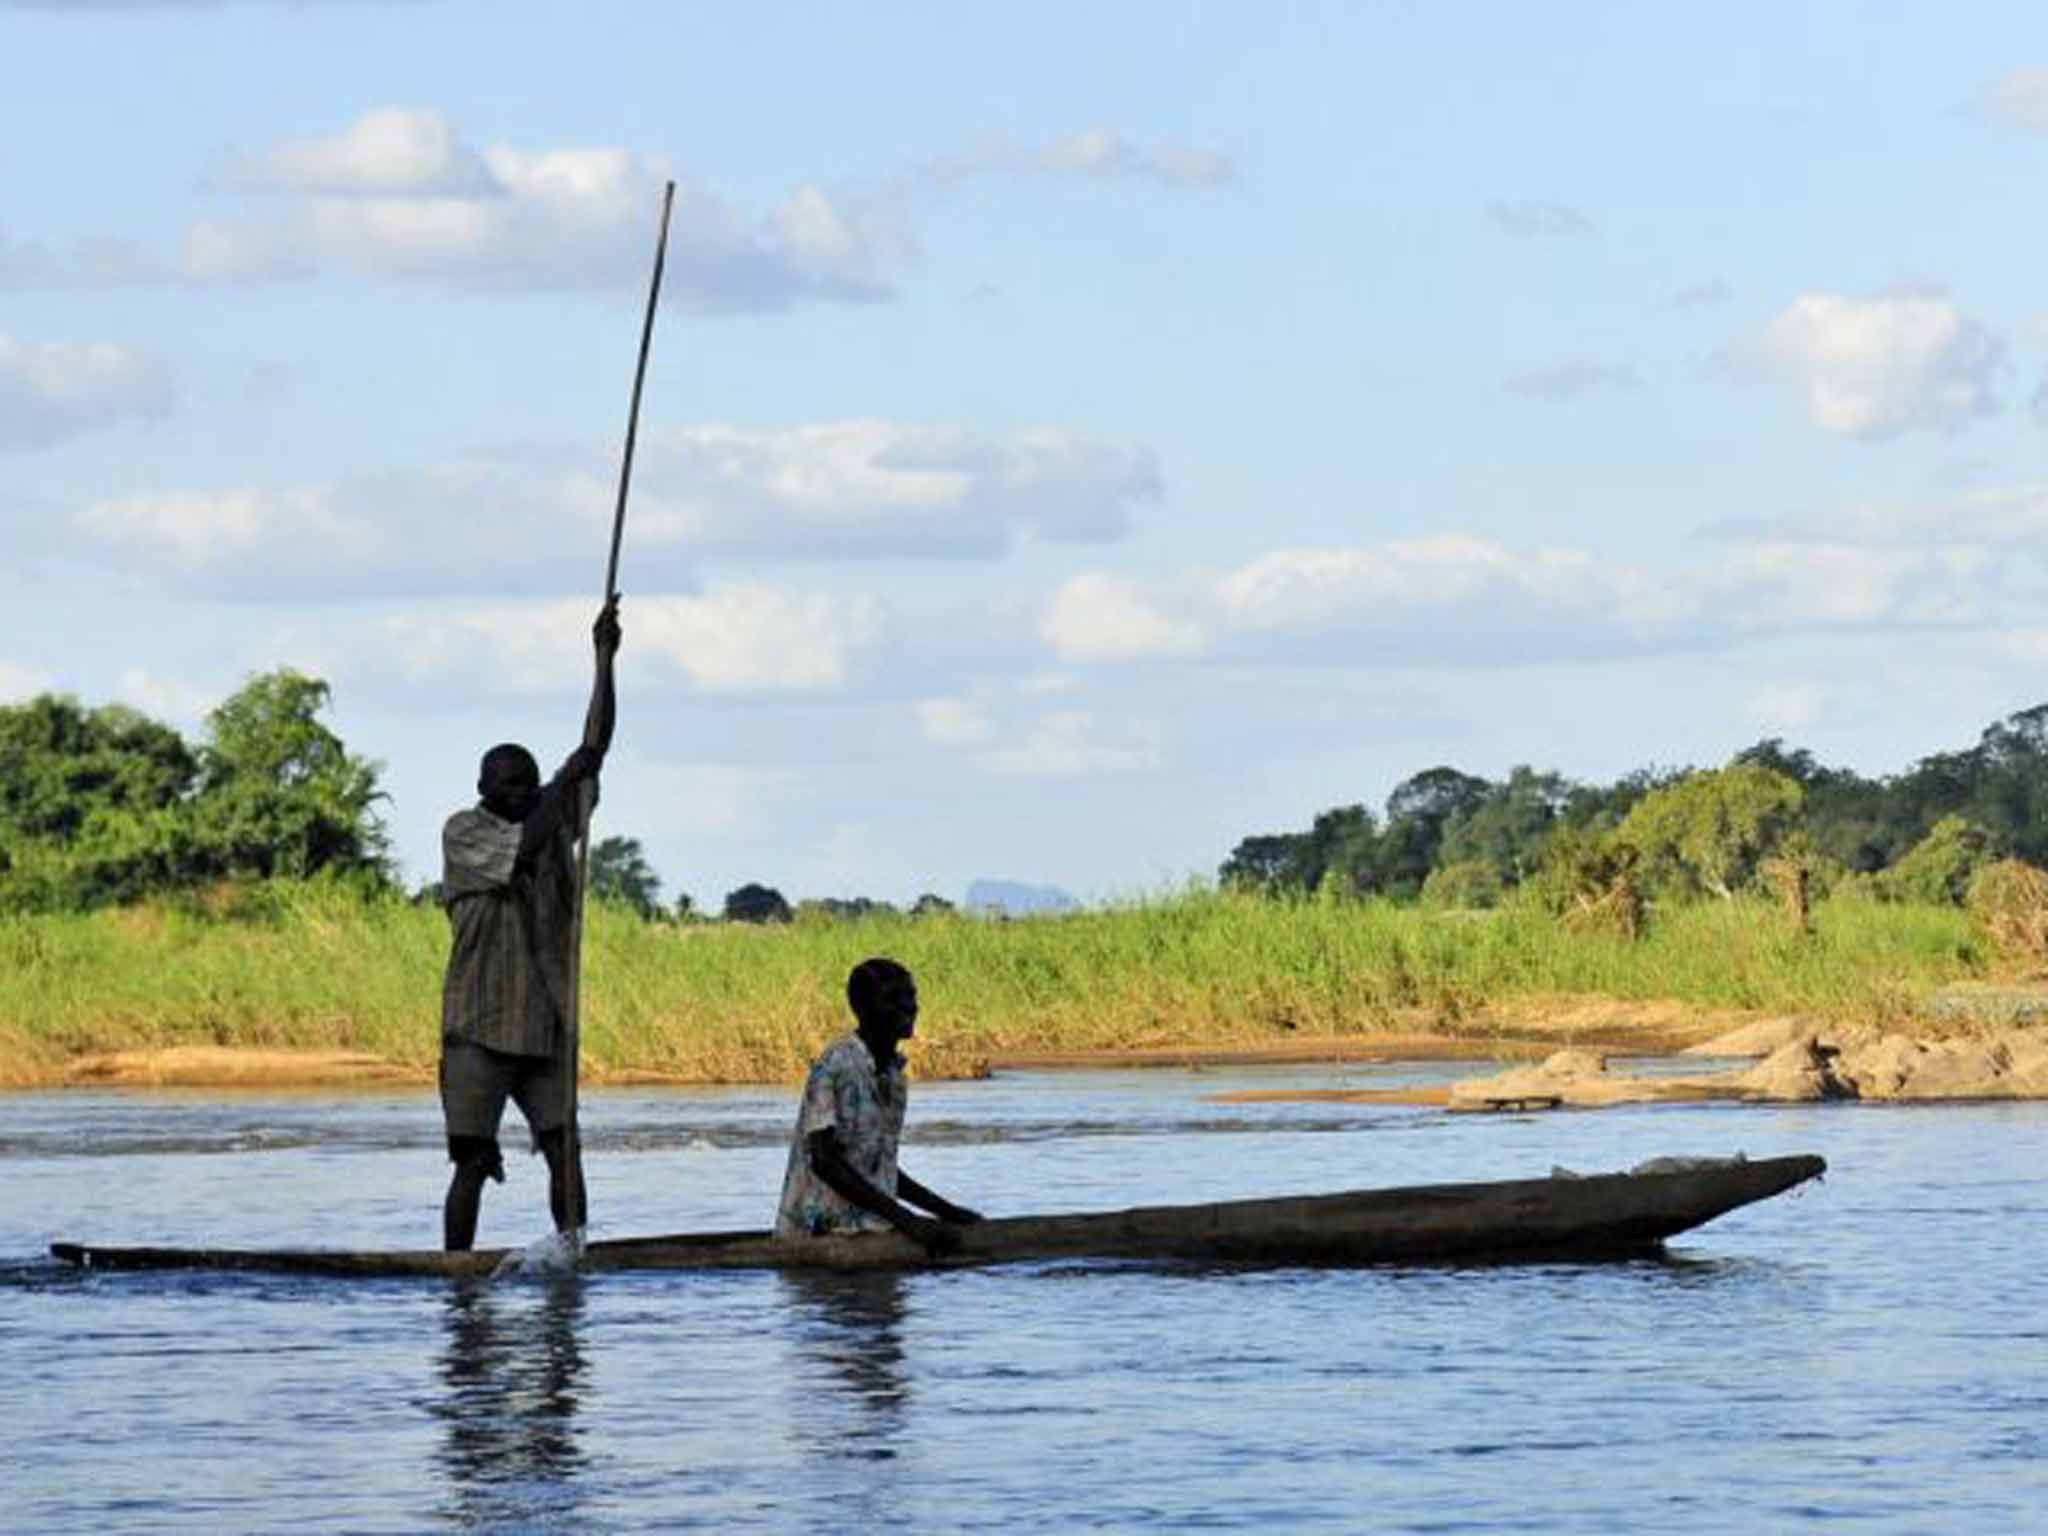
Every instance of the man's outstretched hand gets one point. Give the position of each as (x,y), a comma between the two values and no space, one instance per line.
(605,632)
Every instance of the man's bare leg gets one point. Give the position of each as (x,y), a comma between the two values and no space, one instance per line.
(475,1160)
(553,1146)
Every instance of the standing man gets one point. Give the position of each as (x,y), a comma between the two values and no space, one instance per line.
(842,1174)
(509,882)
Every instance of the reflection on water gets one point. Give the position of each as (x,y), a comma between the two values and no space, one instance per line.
(512,1363)
(1871,1351)
(854,1396)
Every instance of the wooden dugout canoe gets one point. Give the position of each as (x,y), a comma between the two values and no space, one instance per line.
(1596,1216)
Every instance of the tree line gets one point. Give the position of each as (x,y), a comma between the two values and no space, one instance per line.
(620,872)
(105,805)
(102,806)
(1772,813)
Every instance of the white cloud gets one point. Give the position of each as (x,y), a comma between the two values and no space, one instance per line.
(756,637)
(399,196)
(2021,98)
(85,264)
(50,391)
(389,150)
(735,639)
(1314,588)
(954,722)
(261,532)
(1704,295)
(1799,582)
(165,698)
(2030,645)
(1568,381)
(2001,515)
(1070,744)
(18,682)
(1531,220)
(1094,152)
(1099,617)
(1461,601)
(831,491)
(872,488)
(705,799)
(1874,368)
(1786,706)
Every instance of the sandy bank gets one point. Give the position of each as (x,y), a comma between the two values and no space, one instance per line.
(214,1066)
(1789,1061)
(1578,1052)
(1768,1061)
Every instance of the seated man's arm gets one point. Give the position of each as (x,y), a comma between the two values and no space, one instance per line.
(829,1162)
(928,1199)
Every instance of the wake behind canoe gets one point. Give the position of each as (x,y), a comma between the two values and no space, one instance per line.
(1601,1215)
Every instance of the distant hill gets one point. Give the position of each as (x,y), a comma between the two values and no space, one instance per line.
(1017,899)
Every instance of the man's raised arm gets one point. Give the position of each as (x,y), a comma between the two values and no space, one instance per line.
(604,698)
(561,802)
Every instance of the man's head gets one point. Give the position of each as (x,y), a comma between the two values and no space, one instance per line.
(884,998)
(509,781)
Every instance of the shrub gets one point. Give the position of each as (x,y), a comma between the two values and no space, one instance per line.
(1465,885)
(1938,869)
(2008,903)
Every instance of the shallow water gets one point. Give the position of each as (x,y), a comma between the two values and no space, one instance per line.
(1871,1351)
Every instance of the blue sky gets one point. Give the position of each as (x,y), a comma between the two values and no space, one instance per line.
(1077,436)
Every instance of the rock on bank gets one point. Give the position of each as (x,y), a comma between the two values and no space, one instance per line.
(1792,1061)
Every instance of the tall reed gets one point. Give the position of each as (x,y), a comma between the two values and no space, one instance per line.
(308,966)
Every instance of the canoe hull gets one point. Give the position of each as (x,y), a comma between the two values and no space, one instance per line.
(1598,1216)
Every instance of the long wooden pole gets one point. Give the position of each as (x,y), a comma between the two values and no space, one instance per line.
(572,1148)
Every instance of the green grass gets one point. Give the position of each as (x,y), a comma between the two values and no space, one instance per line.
(313,967)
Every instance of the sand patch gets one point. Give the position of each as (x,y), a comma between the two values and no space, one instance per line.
(213,1066)
(1409,1046)
(1525,1029)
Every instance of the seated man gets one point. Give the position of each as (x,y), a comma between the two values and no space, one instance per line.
(842,1161)
(509,883)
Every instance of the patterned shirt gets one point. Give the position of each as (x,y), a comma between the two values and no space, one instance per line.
(865,1106)
(507,984)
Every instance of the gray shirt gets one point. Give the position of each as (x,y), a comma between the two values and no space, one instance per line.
(507,983)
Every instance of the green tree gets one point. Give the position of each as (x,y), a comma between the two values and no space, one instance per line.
(756,903)
(930,904)
(620,873)
(92,805)
(1707,834)
(843,908)
(1852,820)
(1463,886)
(1266,861)
(1418,810)
(1938,869)
(1338,844)
(1509,827)
(278,792)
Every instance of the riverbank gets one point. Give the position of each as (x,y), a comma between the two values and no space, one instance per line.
(2002,1054)
(1582,1053)
(1637,1029)
(302,984)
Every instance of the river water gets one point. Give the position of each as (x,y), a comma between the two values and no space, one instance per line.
(1870,1352)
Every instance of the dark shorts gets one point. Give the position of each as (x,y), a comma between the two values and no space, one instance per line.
(476,1081)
